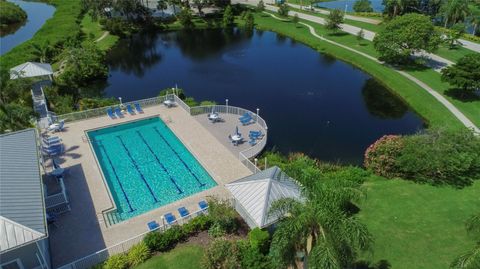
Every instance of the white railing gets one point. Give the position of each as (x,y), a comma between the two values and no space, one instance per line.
(122,247)
(249,153)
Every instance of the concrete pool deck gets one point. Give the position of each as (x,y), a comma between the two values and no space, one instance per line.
(82,231)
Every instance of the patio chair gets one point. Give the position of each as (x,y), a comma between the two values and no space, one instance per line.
(130,110)
(256,133)
(110,113)
(138,108)
(152,225)
(170,218)
(52,150)
(50,141)
(118,112)
(245,116)
(183,212)
(246,121)
(252,142)
(202,205)
(57,127)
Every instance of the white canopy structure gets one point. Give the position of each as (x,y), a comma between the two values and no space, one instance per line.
(31,69)
(255,194)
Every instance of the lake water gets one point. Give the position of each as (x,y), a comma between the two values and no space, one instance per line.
(376,5)
(38,14)
(312,103)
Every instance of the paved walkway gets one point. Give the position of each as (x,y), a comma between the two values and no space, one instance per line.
(433,61)
(457,113)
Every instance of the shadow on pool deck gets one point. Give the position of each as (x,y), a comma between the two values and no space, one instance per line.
(81,222)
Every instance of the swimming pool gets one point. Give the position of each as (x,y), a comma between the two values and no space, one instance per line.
(146,166)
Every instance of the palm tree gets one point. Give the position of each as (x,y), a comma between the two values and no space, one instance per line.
(320,226)
(14,117)
(42,51)
(475,21)
(470,259)
(456,11)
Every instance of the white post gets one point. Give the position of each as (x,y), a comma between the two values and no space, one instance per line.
(346,5)
(256,162)
(258,111)
(163,223)
(265,163)
(120,99)
(226,102)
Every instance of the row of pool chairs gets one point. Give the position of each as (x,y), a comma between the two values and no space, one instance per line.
(52,146)
(171,219)
(254,136)
(117,112)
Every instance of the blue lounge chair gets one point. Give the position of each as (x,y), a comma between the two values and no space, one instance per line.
(183,212)
(57,127)
(202,205)
(118,112)
(245,121)
(130,110)
(252,142)
(138,108)
(245,116)
(170,218)
(50,141)
(110,113)
(53,150)
(256,133)
(153,225)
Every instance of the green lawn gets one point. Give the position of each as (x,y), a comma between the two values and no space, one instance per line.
(187,256)
(422,102)
(93,31)
(418,226)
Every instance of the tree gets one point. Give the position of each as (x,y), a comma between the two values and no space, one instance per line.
(360,35)
(249,21)
(334,19)
(319,226)
(133,9)
(454,34)
(162,4)
(465,74)
(228,18)
(185,17)
(14,117)
(455,11)
(295,18)
(405,35)
(283,10)
(260,6)
(200,4)
(42,51)
(363,6)
(470,259)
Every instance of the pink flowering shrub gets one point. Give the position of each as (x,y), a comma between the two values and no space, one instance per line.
(381,156)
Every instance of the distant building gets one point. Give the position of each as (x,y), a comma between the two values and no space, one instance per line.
(23,224)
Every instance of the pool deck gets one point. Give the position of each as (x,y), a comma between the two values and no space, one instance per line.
(82,231)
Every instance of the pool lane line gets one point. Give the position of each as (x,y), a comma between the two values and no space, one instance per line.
(160,163)
(138,169)
(178,156)
(115,173)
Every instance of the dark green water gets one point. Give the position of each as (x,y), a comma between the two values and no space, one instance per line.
(312,103)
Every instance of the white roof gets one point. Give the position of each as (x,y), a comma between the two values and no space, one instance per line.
(13,234)
(30,69)
(257,192)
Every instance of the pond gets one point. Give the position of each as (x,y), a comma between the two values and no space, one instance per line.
(38,14)
(312,103)
(340,4)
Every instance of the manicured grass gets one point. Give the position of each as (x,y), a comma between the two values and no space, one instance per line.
(187,256)
(453,54)
(420,101)
(56,30)
(93,31)
(418,226)
(471,108)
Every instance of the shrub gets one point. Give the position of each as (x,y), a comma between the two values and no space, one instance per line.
(222,214)
(208,103)
(252,258)
(216,230)
(190,101)
(259,239)
(178,91)
(197,224)
(283,10)
(382,155)
(222,253)
(138,254)
(11,13)
(118,261)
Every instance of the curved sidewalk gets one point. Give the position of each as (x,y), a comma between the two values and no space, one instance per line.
(457,113)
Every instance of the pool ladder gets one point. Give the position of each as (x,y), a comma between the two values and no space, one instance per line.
(111,218)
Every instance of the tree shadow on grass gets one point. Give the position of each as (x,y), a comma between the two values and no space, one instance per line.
(338,34)
(381,264)
(463,96)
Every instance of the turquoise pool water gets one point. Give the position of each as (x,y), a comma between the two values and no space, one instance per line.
(146,166)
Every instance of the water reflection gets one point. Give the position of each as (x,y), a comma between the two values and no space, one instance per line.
(382,103)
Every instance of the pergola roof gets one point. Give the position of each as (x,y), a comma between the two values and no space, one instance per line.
(30,69)
(257,192)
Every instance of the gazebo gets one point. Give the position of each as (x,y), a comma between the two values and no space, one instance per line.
(31,69)
(254,195)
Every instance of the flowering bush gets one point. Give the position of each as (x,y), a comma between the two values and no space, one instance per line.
(381,156)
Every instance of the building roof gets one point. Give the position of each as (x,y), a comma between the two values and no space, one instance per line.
(30,69)
(257,192)
(21,193)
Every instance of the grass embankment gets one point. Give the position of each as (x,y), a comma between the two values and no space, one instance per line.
(420,101)
(11,13)
(443,51)
(186,256)
(57,30)
(418,226)
(93,32)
